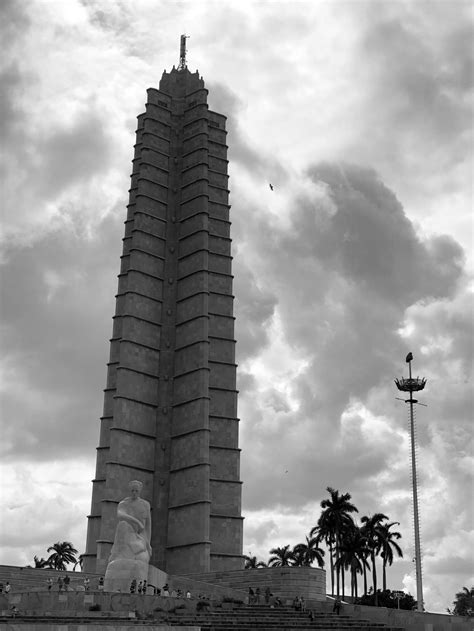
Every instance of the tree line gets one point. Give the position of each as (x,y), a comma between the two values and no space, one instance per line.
(352,548)
(62,553)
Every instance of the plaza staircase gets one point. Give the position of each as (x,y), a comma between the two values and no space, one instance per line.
(243,618)
(265,618)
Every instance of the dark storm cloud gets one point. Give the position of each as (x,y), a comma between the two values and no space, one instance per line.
(344,279)
(54,340)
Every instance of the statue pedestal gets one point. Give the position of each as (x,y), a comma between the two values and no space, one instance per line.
(121,572)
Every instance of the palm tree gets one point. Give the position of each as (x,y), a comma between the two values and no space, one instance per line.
(282,557)
(373,534)
(464,603)
(332,523)
(63,553)
(252,563)
(306,553)
(40,563)
(353,556)
(79,562)
(388,546)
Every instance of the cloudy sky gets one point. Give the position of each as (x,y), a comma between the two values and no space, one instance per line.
(360,115)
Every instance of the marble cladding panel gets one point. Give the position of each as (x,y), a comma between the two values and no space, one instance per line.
(145,284)
(220,263)
(221,304)
(101,468)
(195,261)
(125,261)
(145,222)
(143,307)
(226,563)
(155,112)
(225,463)
(223,403)
(154,173)
(195,240)
(149,206)
(196,157)
(191,385)
(199,187)
(111,381)
(218,244)
(141,332)
(132,449)
(188,524)
(226,498)
(149,242)
(196,172)
(153,126)
(218,228)
(191,331)
(191,208)
(179,560)
(122,285)
(190,416)
(134,415)
(226,535)
(155,96)
(156,142)
(139,357)
(221,326)
(192,307)
(195,142)
(135,385)
(218,194)
(108,408)
(105,424)
(199,109)
(93,530)
(144,262)
(222,350)
(222,375)
(155,157)
(108,508)
(114,354)
(224,431)
(190,285)
(220,283)
(217,136)
(219,211)
(153,190)
(197,126)
(221,180)
(118,478)
(189,485)
(218,164)
(217,150)
(191,357)
(189,450)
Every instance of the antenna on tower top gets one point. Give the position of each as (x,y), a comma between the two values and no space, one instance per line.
(182,52)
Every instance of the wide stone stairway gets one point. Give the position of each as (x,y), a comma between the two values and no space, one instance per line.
(265,618)
(244,618)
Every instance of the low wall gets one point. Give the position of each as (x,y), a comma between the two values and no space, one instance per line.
(101,626)
(285,582)
(409,620)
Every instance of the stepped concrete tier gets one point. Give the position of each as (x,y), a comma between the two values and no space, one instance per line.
(285,582)
(170,402)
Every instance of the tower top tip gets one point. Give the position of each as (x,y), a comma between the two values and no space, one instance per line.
(182,52)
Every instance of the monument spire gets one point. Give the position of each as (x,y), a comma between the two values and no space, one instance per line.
(182,52)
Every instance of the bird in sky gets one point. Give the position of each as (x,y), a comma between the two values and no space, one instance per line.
(271,186)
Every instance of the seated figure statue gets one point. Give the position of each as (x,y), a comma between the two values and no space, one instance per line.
(131,550)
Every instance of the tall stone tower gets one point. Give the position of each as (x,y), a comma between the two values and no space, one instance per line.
(170,405)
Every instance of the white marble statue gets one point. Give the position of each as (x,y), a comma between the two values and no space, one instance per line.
(131,551)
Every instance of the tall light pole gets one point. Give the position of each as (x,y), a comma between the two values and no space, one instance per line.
(411,385)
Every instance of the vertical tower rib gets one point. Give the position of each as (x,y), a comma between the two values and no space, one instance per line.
(170,405)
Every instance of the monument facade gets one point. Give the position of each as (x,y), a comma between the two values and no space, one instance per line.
(170,403)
